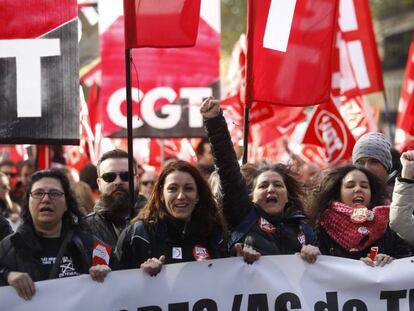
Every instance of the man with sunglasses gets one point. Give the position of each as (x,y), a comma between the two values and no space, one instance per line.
(9,168)
(113,211)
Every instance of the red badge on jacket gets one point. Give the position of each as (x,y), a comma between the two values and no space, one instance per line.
(200,253)
(266,226)
(100,254)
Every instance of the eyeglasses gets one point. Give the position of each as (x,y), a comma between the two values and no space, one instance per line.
(147,182)
(53,194)
(111,176)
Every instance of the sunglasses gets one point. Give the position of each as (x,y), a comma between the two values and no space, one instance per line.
(147,182)
(111,176)
(10,174)
(5,187)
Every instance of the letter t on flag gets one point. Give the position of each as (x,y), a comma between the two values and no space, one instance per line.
(161,23)
(289,56)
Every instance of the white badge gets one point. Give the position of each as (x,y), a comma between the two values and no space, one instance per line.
(177,253)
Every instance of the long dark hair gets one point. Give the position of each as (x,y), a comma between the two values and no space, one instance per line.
(292,183)
(205,214)
(329,189)
(71,215)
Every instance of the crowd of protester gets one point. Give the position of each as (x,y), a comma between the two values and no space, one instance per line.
(50,222)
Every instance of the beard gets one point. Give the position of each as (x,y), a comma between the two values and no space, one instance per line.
(115,205)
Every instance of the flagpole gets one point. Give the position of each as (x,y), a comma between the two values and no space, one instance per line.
(131,169)
(248,93)
(245,133)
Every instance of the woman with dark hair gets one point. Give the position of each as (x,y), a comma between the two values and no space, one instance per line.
(49,243)
(351,216)
(262,204)
(179,223)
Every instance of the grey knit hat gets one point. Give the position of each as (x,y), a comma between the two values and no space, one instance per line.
(373,145)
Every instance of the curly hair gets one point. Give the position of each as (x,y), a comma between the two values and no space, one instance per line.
(294,187)
(329,189)
(206,212)
(71,215)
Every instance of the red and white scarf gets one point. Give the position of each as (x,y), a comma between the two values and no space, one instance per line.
(353,237)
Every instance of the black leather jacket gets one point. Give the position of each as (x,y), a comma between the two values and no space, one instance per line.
(108,228)
(284,236)
(21,252)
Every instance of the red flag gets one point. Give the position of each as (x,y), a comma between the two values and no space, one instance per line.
(404,134)
(290,44)
(161,23)
(361,71)
(43,157)
(327,129)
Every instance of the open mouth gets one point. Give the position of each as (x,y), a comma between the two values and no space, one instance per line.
(46,209)
(358,200)
(271,199)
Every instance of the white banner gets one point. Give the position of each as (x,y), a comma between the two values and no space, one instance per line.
(273,283)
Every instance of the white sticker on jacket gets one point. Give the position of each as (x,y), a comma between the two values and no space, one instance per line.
(177,253)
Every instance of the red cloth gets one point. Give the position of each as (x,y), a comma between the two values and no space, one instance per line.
(328,130)
(336,221)
(290,63)
(160,23)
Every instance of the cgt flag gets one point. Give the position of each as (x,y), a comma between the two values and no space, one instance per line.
(328,130)
(161,23)
(39,72)
(289,56)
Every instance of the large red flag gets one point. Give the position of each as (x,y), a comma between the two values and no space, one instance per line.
(161,23)
(328,130)
(361,48)
(405,120)
(290,44)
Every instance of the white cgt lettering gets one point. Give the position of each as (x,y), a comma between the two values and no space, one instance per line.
(279,24)
(173,112)
(27,53)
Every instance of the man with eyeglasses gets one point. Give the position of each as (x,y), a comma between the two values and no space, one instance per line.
(113,211)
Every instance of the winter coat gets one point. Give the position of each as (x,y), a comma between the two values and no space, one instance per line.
(250,224)
(401,210)
(21,252)
(176,240)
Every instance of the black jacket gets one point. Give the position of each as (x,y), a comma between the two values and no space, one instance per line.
(5,228)
(248,223)
(98,225)
(21,252)
(176,240)
(108,228)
